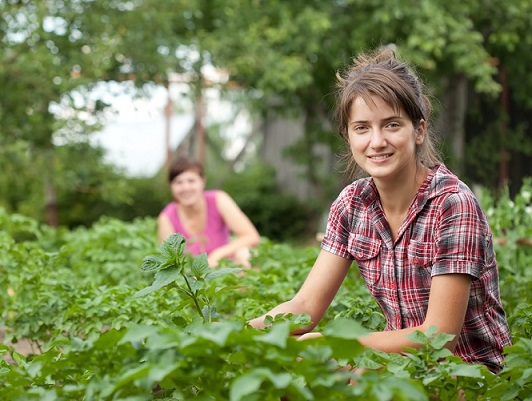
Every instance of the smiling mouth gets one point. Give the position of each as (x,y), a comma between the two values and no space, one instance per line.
(380,157)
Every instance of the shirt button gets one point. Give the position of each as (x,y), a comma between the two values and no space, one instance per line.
(416,260)
(360,254)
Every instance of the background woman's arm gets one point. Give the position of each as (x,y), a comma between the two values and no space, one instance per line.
(164,227)
(246,235)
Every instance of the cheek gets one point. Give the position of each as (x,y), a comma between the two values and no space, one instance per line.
(356,144)
(175,188)
(357,152)
(199,185)
(416,144)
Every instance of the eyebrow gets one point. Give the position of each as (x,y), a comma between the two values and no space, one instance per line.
(384,119)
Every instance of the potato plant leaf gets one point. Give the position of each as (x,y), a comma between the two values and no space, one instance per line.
(162,278)
(209,313)
(251,382)
(466,370)
(278,335)
(138,333)
(218,333)
(200,265)
(213,274)
(152,263)
(418,337)
(166,276)
(173,247)
(440,339)
(345,328)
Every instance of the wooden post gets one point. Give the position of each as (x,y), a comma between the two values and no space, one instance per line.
(168,120)
(200,129)
(503,164)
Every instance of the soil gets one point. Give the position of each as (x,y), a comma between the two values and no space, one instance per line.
(22,346)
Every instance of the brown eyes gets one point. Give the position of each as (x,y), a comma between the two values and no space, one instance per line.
(363,128)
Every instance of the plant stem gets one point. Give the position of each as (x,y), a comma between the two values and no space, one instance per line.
(193,296)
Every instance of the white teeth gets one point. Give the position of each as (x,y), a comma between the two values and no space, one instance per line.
(380,157)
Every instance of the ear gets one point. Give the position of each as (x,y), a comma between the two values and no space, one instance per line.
(420,132)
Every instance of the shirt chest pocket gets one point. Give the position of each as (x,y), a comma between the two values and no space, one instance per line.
(420,254)
(367,253)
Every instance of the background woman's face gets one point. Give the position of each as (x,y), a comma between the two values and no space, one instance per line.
(187,188)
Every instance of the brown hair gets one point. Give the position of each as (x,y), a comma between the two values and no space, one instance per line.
(184,164)
(380,73)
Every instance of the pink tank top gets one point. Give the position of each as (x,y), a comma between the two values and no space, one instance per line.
(216,232)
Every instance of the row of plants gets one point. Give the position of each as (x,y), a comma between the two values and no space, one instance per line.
(113,315)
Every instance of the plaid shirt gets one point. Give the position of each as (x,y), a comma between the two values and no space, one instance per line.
(445,231)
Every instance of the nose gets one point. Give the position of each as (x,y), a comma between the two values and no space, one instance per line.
(377,139)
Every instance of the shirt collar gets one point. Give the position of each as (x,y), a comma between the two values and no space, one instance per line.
(439,181)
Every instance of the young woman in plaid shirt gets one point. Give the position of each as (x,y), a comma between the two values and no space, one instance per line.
(416,232)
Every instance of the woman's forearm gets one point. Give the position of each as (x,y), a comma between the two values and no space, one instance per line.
(229,249)
(292,307)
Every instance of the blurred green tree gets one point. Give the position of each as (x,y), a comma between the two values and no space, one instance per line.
(289,53)
(53,54)
(281,56)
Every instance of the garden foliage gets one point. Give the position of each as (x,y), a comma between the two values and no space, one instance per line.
(115,316)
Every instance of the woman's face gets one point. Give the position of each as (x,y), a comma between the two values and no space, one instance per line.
(383,142)
(187,188)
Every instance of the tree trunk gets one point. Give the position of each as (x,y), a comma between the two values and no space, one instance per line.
(280,133)
(505,108)
(301,179)
(450,124)
(200,129)
(50,194)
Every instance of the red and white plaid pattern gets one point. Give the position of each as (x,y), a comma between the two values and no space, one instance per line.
(445,232)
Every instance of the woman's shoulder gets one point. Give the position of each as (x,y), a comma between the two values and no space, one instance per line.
(453,197)
(218,199)
(355,198)
(168,213)
(361,189)
(169,208)
(213,193)
(447,185)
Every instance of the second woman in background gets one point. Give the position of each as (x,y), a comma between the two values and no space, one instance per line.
(210,220)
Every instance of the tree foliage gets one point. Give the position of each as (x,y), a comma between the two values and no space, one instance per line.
(54,52)
(282,55)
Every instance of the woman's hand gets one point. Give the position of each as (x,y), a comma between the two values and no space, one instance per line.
(309,336)
(214,258)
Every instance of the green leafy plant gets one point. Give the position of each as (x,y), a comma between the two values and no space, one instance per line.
(172,263)
(73,294)
(515,380)
(442,375)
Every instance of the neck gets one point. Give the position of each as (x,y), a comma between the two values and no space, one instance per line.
(192,209)
(397,195)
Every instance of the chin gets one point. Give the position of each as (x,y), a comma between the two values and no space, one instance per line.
(382,175)
(188,201)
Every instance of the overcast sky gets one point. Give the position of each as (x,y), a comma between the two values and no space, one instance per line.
(134,137)
(139,144)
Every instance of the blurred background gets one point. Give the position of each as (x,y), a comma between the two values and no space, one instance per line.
(98,96)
